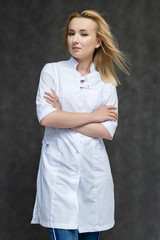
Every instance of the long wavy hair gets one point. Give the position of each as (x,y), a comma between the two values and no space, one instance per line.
(108,52)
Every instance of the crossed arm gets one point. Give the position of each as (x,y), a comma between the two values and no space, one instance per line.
(88,124)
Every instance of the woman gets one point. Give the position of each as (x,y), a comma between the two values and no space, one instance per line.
(77,103)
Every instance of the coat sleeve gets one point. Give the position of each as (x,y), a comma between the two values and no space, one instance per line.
(46,82)
(112,100)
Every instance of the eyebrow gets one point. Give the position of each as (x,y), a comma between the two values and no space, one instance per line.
(81,30)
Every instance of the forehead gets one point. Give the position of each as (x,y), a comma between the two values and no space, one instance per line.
(83,23)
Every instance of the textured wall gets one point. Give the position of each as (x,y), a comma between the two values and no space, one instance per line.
(30,37)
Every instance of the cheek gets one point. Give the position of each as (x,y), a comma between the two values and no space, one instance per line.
(68,42)
(89,43)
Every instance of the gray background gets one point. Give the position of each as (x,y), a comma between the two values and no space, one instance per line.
(30,37)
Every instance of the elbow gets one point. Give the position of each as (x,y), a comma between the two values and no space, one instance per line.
(111,133)
(106,136)
(43,122)
(47,121)
(109,137)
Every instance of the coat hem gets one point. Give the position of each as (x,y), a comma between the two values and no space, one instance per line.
(81,229)
(95,228)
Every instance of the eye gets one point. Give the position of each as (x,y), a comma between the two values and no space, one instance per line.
(70,34)
(84,34)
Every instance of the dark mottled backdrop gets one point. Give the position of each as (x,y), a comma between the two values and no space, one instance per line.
(30,36)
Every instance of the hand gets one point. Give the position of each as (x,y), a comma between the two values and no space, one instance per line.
(105,113)
(52,98)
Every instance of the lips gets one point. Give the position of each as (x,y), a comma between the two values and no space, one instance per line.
(76,48)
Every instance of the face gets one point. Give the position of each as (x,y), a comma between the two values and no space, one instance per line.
(82,39)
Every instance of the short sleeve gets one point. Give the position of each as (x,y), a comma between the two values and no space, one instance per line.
(46,83)
(112,100)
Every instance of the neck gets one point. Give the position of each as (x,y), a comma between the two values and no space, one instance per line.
(84,66)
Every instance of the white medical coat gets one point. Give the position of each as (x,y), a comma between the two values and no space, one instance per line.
(74,183)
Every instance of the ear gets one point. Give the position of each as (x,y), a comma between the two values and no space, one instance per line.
(98,44)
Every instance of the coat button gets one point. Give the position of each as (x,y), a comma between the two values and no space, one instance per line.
(82,81)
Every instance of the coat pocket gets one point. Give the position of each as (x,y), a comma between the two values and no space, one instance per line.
(49,163)
(102,164)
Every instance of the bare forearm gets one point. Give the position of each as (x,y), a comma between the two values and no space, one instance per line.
(94,130)
(63,119)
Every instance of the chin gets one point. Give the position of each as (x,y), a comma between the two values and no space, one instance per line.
(80,56)
(76,55)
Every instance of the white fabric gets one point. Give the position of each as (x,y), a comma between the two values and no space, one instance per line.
(74,183)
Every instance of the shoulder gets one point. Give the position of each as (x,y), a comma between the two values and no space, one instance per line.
(109,89)
(109,86)
(53,66)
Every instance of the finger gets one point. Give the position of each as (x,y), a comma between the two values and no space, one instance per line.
(50,102)
(112,119)
(111,107)
(49,94)
(113,111)
(51,99)
(53,92)
(53,104)
(113,115)
(55,95)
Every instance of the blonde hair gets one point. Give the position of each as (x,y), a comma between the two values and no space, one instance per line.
(108,52)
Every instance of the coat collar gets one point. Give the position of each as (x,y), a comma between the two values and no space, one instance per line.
(91,78)
(74,64)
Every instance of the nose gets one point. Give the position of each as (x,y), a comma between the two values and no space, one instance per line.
(75,39)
